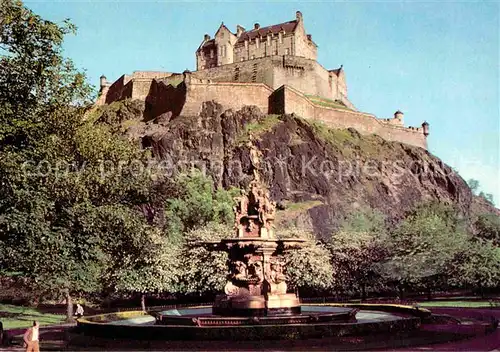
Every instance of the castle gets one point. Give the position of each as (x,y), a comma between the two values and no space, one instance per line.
(273,68)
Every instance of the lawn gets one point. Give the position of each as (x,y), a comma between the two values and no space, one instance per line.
(460,304)
(19,317)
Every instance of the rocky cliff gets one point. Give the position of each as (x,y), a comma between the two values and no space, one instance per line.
(315,174)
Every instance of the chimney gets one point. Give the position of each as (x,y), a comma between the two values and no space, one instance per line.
(298,16)
(256,26)
(239,30)
(207,37)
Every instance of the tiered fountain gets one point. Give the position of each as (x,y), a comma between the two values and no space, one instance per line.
(256,290)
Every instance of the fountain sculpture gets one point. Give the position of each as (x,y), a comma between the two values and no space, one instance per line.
(256,289)
(256,283)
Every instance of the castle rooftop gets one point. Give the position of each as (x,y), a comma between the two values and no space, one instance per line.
(286,27)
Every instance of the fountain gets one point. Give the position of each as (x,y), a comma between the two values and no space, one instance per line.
(256,290)
(256,284)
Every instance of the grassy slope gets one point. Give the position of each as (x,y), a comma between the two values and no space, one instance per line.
(19,317)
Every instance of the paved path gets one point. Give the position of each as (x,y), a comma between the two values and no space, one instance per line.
(489,342)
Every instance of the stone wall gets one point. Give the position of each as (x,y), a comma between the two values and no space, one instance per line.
(253,71)
(176,97)
(230,95)
(303,74)
(115,91)
(303,46)
(255,49)
(166,98)
(224,43)
(297,103)
(135,86)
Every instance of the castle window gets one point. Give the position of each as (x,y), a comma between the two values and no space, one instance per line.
(242,59)
(268,40)
(253,57)
(287,52)
(211,53)
(280,36)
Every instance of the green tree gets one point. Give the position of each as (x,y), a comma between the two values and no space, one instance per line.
(356,248)
(487,196)
(54,225)
(478,265)
(194,203)
(37,83)
(195,213)
(423,245)
(475,187)
(203,270)
(310,266)
(487,227)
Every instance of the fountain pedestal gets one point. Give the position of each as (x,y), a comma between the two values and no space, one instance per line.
(256,283)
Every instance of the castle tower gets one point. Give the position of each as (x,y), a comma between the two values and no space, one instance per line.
(103,82)
(425,128)
(399,116)
(103,90)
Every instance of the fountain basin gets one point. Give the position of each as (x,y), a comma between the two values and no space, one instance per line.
(200,324)
(204,317)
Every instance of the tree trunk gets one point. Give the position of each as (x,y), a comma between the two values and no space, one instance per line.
(363,292)
(143,302)
(69,306)
(429,293)
(401,292)
(481,290)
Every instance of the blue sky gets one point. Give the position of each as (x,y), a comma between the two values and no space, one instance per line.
(435,61)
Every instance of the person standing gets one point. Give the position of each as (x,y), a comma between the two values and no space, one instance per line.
(31,338)
(79,310)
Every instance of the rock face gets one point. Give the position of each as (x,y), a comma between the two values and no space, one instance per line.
(316,175)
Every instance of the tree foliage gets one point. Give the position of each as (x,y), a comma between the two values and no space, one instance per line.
(193,203)
(65,219)
(475,188)
(203,270)
(487,227)
(423,245)
(478,266)
(310,266)
(357,247)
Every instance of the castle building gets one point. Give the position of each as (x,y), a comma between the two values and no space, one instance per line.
(274,68)
(288,38)
(275,55)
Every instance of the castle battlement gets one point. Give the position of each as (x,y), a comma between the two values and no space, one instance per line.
(273,68)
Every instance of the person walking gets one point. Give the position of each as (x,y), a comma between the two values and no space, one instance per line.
(30,338)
